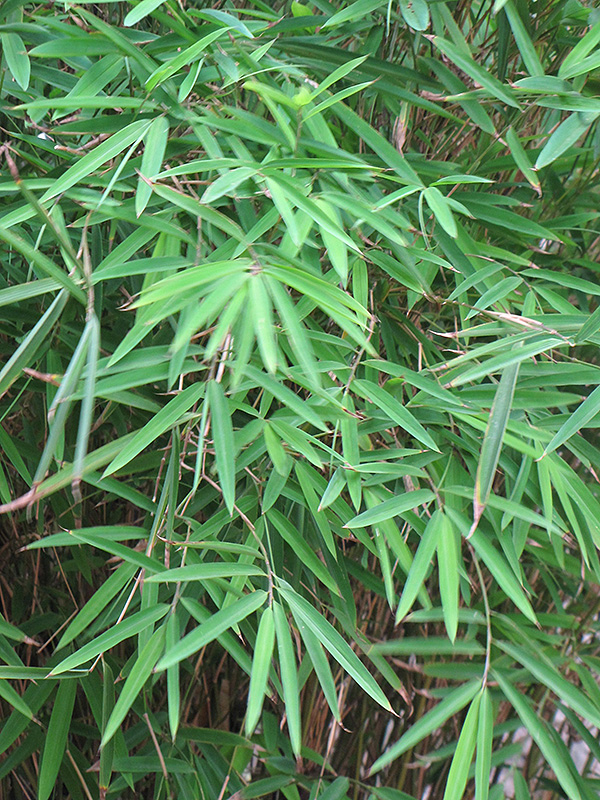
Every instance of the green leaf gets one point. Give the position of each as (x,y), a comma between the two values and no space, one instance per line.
(155,143)
(448,558)
(583,47)
(335,644)
(203,572)
(356,10)
(485,740)
(16,57)
(393,507)
(539,733)
(14,699)
(458,775)
(104,152)
(396,412)
(261,664)
(576,421)
(539,666)
(567,133)
(222,433)
(436,528)
(98,602)
(56,738)
(140,11)
(289,677)
(523,40)
(169,416)
(475,71)
(310,561)
(31,343)
(502,573)
(493,439)
(129,627)
(262,314)
(187,56)
(415,13)
(140,672)
(215,625)
(441,209)
(429,722)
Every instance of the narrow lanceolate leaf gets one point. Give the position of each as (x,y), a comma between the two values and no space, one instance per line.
(492,441)
(397,413)
(357,10)
(435,529)
(261,664)
(415,13)
(173,684)
(121,631)
(112,147)
(521,158)
(502,573)
(140,672)
(165,419)
(336,645)
(321,666)
(567,133)
(577,420)
(581,50)
(545,672)
(25,353)
(440,207)
(203,572)
(108,703)
(42,262)
(475,71)
(463,755)
(523,40)
(485,740)
(155,143)
(141,10)
(289,677)
(222,433)
(214,626)
(98,602)
(538,731)
(391,508)
(56,738)
(14,699)
(448,569)
(431,721)
(16,57)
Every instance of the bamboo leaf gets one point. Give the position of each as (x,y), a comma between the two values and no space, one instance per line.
(393,507)
(140,672)
(437,527)
(165,419)
(485,737)
(463,755)
(129,627)
(56,738)
(448,567)
(261,664)
(431,721)
(335,644)
(222,433)
(212,628)
(576,421)
(289,677)
(493,439)
(155,143)
(539,733)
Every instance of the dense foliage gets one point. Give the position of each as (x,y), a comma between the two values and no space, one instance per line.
(298,399)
